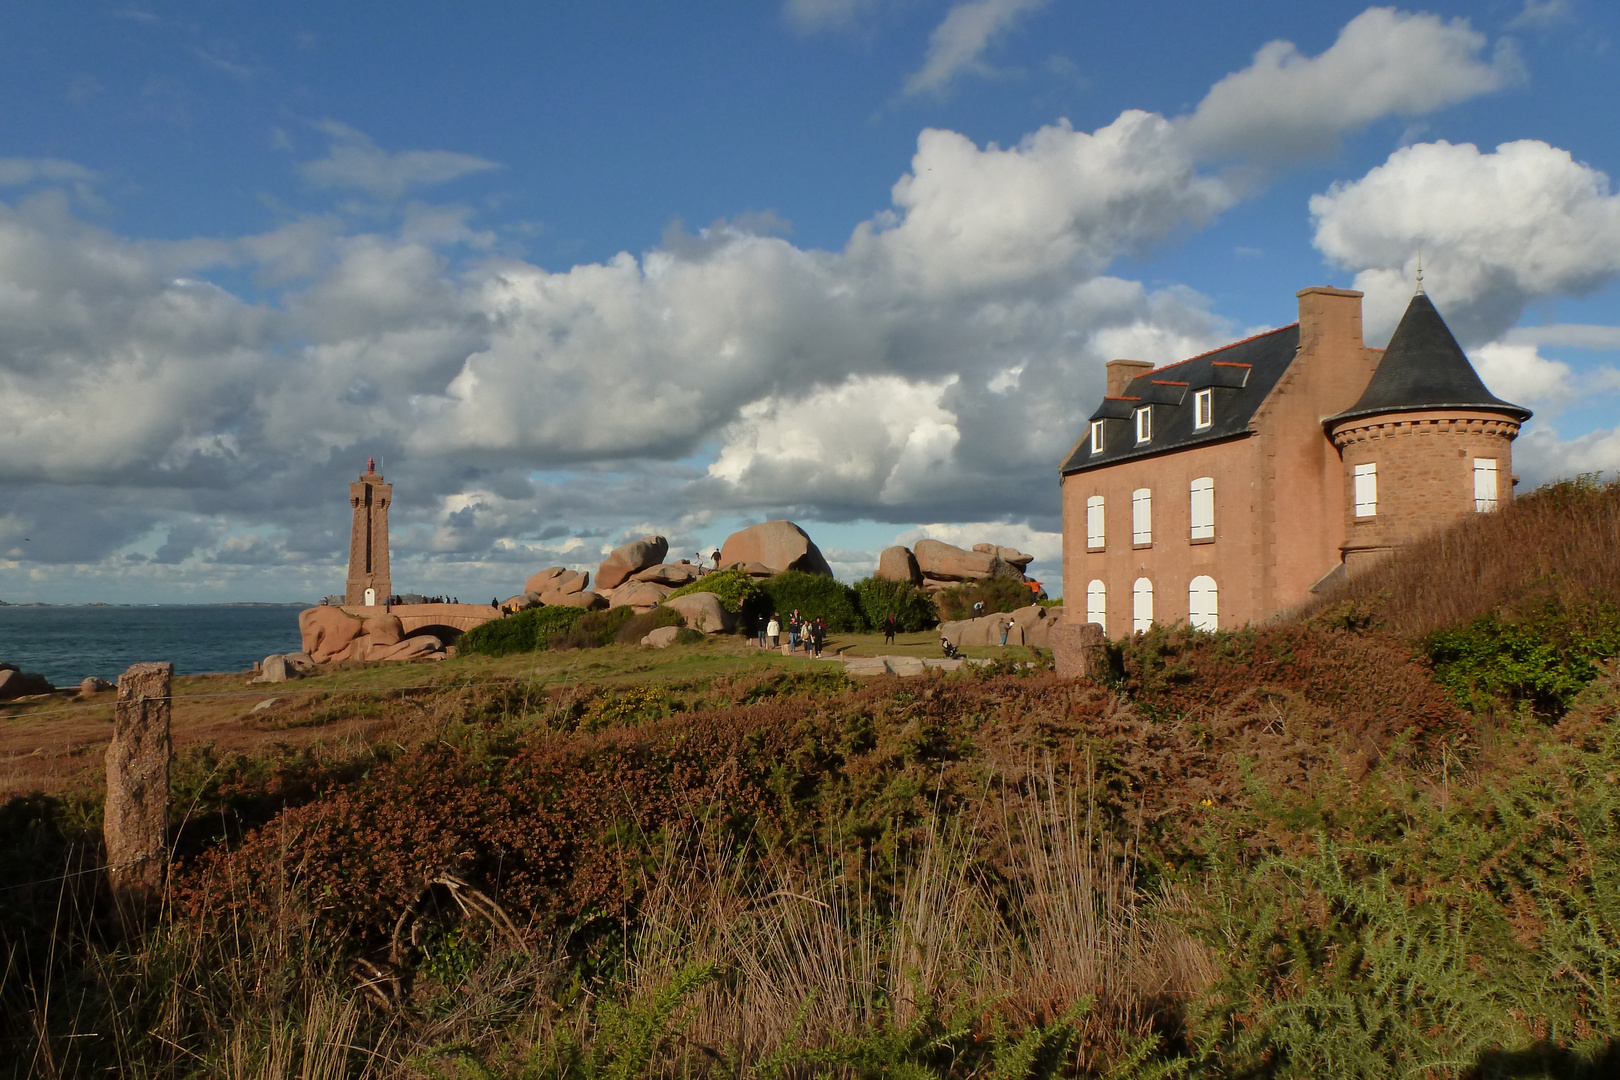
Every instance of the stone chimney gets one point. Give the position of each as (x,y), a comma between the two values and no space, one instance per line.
(1121,372)
(1329,316)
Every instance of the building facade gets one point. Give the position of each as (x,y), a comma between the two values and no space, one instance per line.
(1222,489)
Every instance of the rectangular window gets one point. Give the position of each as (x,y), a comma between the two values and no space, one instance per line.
(1144,424)
(1203,409)
(1366,477)
(1096,436)
(1094,522)
(1203,508)
(1484,485)
(1142,516)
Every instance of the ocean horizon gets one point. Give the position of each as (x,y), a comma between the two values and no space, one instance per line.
(66,642)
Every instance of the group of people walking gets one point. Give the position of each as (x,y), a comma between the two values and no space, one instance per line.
(812,633)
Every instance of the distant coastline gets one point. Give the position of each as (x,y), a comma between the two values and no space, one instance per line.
(223,603)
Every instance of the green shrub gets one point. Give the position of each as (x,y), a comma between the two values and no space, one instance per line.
(882,597)
(996,593)
(526,631)
(639,626)
(1542,659)
(815,596)
(734,588)
(594,629)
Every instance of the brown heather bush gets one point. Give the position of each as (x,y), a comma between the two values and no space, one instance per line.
(1557,543)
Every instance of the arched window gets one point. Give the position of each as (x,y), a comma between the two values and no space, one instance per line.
(1142,606)
(1203,508)
(1202,604)
(1097,604)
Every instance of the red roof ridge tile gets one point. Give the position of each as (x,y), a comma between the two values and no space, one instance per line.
(1169,382)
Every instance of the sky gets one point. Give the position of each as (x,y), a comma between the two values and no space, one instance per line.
(576,273)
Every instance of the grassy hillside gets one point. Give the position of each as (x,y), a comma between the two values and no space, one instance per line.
(1288,851)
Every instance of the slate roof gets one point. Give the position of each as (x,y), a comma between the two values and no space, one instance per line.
(1425,368)
(1241,375)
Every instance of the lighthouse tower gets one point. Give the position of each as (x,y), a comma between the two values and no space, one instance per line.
(369,581)
(1425,445)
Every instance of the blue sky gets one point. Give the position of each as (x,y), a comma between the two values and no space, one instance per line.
(575,273)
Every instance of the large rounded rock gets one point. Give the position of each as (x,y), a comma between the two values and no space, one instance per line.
(947,562)
(557,579)
(632,557)
(383,629)
(16,684)
(94,685)
(672,574)
(275,669)
(662,638)
(702,611)
(640,595)
(588,599)
(897,563)
(780,545)
(1010,556)
(409,649)
(327,632)
(752,569)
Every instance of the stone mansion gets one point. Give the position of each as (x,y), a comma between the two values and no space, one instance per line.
(1222,489)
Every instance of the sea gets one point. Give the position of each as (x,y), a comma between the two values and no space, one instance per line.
(66,643)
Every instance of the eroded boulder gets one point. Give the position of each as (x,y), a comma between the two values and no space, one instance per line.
(327,632)
(780,545)
(93,685)
(16,684)
(662,638)
(632,557)
(383,629)
(557,579)
(897,563)
(947,562)
(672,574)
(702,611)
(1010,556)
(640,595)
(587,599)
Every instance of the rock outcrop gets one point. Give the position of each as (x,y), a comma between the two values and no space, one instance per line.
(588,599)
(1030,625)
(947,562)
(703,611)
(672,574)
(557,579)
(15,683)
(780,545)
(521,602)
(640,595)
(1010,556)
(632,557)
(383,629)
(328,633)
(752,569)
(897,563)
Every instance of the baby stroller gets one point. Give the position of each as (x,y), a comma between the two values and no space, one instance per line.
(951,651)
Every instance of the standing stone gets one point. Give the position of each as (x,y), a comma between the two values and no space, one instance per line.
(137,810)
(1077,650)
(623,561)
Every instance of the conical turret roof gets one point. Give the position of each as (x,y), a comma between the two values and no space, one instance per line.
(1425,368)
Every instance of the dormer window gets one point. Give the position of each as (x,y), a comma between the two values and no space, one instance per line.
(1144,424)
(1203,409)
(1096,436)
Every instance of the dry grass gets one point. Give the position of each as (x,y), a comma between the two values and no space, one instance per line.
(1557,543)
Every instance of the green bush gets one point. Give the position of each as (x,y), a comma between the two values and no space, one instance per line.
(526,631)
(734,588)
(594,629)
(815,596)
(882,597)
(996,593)
(639,626)
(1542,659)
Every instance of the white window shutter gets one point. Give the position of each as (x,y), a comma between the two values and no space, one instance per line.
(1203,508)
(1366,482)
(1094,522)
(1097,604)
(1142,606)
(1484,485)
(1202,604)
(1142,516)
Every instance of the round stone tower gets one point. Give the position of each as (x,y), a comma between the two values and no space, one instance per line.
(1425,445)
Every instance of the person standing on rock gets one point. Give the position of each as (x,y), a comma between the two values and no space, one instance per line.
(773,630)
(888,629)
(978,608)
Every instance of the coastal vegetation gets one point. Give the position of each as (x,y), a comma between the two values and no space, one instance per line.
(1379,838)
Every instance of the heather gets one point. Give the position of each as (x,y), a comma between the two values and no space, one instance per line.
(1321,847)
